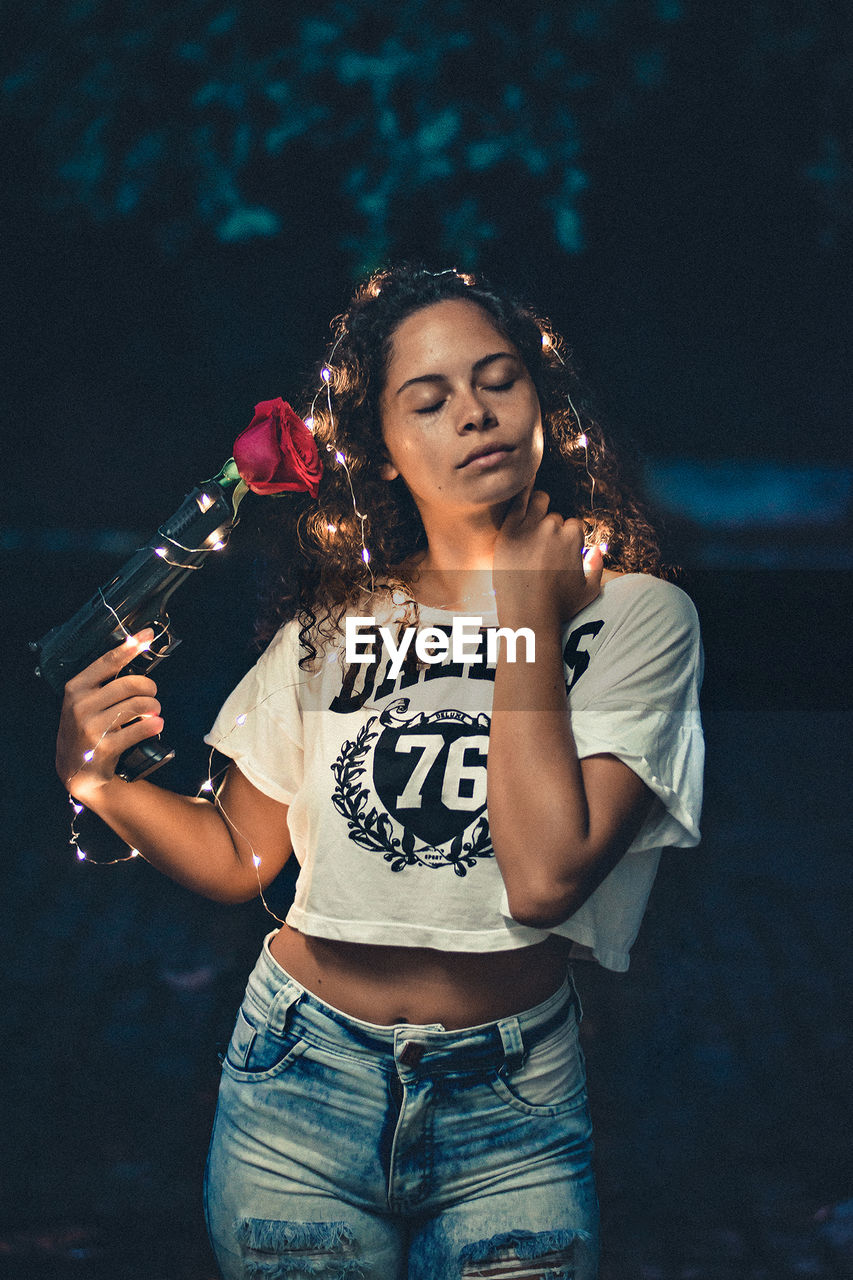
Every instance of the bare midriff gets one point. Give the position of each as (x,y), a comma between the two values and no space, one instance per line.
(387,985)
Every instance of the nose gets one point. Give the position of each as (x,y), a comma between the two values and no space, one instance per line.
(474,413)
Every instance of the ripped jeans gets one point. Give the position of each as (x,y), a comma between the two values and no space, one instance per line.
(342,1148)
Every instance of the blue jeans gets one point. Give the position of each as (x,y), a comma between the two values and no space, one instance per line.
(346,1149)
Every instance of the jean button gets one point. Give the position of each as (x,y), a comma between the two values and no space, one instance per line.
(411,1053)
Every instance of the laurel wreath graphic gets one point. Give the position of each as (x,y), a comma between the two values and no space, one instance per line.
(374,830)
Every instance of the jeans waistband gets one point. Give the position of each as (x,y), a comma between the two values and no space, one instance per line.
(284,1003)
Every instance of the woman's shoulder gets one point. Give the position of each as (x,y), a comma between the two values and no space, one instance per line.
(641,597)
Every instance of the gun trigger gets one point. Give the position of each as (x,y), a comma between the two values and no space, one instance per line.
(148,658)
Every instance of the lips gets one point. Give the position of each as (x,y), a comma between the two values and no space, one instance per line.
(485,451)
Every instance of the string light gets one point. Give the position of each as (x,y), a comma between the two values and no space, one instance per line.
(82,855)
(581,442)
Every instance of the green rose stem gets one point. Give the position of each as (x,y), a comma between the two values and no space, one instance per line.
(228,476)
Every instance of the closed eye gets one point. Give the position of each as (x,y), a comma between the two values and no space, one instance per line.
(434,408)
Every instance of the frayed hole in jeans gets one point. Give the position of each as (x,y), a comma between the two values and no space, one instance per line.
(524,1255)
(298,1250)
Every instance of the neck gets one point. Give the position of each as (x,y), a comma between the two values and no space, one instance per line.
(457,566)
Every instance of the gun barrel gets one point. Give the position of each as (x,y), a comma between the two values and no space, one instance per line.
(138,593)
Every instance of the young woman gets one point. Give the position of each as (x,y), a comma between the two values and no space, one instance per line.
(404,1092)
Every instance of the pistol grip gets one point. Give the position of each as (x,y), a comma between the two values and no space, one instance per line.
(143,759)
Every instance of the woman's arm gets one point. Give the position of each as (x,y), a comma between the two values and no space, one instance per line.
(558,824)
(209,848)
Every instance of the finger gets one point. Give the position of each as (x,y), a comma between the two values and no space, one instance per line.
(593,564)
(116,742)
(122,688)
(125,711)
(109,664)
(102,733)
(127,651)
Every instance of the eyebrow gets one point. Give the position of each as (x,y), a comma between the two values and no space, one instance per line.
(475,368)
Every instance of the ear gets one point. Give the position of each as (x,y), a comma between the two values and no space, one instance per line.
(388,471)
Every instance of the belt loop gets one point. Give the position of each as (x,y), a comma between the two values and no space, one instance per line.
(512,1042)
(282,1002)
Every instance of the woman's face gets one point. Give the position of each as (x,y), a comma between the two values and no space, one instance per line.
(460,414)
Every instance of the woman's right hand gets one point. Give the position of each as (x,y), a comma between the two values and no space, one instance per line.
(98,706)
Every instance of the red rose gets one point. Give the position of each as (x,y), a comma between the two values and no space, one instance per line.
(276,453)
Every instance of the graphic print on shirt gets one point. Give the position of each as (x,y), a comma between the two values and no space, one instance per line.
(414,788)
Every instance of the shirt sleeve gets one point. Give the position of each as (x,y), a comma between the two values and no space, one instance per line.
(639,701)
(260,724)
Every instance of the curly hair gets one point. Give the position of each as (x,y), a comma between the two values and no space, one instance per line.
(316,566)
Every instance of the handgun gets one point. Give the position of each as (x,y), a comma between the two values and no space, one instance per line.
(136,598)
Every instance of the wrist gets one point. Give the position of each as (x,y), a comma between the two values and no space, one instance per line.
(540,616)
(96,794)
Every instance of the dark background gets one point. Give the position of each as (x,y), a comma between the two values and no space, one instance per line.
(189,193)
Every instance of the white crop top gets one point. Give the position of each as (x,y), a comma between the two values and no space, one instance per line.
(385,777)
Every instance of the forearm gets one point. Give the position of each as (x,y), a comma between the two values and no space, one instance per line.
(184,837)
(538,812)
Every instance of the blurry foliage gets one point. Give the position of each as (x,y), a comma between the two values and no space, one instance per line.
(233,119)
(802,48)
(420,121)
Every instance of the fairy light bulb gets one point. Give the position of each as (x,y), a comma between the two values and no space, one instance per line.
(161,552)
(365,555)
(205,502)
(256,862)
(340,457)
(326,373)
(89,755)
(241,719)
(309,422)
(207,786)
(546,341)
(78,808)
(81,857)
(332,528)
(134,853)
(581,441)
(219,546)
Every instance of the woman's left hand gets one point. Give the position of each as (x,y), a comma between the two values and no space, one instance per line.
(540,575)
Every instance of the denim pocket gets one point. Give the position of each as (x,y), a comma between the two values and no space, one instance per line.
(550,1080)
(256,1053)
